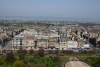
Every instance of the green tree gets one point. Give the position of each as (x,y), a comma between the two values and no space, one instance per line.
(1,62)
(10,58)
(56,51)
(21,53)
(41,52)
(36,55)
(25,61)
(97,64)
(85,52)
(18,64)
(21,56)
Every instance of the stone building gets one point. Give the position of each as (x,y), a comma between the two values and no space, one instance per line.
(29,39)
(42,43)
(24,41)
(51,43)
(18,41)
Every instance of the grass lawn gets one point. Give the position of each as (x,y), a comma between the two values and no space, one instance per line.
(79,54)
(3,63)
(43,61)
(46,62)
(28,54)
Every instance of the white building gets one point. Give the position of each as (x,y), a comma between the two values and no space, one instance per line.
(18,41)
(72,44)
(86,46)
(30,32)
(24,41)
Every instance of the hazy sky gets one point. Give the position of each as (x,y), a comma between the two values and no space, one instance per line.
(51,8)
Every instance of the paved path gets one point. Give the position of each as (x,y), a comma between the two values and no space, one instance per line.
(74,62)
(73,59)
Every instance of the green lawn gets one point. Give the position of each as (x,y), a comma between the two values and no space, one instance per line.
(3,63)
(46,61)
(79,54)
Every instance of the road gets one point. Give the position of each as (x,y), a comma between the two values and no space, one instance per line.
(7,46)
(94,48)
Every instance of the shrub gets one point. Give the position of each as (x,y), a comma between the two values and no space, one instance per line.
(21,56)
(20,50)
(67,51)
(50,51)
(92,52)
(25,62)
(25,51)
(31,51)
(56,58)
(31,60)
(50,57)
(97,64)
(56,51)
(36,55)
(1,62)
(18,64)
(38,65)
(63,51)
(22,53)
(92,60)
(82,58)
(47,65)
(85,52)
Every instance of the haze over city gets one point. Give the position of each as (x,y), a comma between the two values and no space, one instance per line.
(49,33)
(67,10)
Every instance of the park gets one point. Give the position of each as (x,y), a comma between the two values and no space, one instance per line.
(50,58)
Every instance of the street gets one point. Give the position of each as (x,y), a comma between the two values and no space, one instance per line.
(94,48)
(7,46)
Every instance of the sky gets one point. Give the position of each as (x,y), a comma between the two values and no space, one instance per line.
(74,9)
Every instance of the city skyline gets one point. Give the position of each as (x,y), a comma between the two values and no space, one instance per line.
(77,10)
(49,33)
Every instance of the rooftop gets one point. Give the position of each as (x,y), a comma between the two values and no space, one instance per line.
(29,37)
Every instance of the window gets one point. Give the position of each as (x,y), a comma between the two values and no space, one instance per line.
(26,41)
